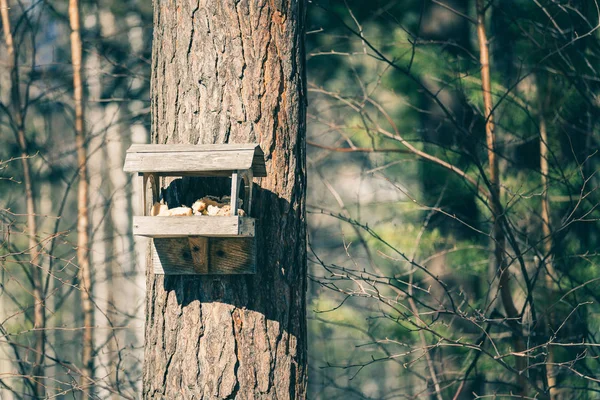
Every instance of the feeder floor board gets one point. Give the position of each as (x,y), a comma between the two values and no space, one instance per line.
(206,226)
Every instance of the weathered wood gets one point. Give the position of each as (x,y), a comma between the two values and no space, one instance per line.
(155,187)
(203,256)
(233,72)
(198,247)
(185,159)
(217,226)
(207,174)
(143,180)
(195,148)
(247,176)
(235,188)
(232,256)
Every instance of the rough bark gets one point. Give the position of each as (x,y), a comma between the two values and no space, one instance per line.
(233,72)
(39,313)
(83,257)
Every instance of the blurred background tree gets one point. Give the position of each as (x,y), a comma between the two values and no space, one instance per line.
(417,250)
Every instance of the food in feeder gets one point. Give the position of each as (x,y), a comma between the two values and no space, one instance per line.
(227,200)
(225,210)
(182,211)
(212,206)
(208,205)
(159,209)
(162,210)
(201,205)
(212,210)
(198,207)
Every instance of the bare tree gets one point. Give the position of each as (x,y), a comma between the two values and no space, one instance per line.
(549,272)
(496,209)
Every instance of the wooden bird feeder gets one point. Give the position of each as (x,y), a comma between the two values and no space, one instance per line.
(198,244)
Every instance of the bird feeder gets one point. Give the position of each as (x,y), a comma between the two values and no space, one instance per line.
(198,244)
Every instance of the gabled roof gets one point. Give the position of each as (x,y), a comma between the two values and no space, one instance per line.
(202,160)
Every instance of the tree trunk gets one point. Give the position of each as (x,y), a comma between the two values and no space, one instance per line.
(498,236)
(83,257)
(233,72)
(549,273)
(39,312)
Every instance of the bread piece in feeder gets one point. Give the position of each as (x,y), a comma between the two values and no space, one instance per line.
(212,207)
(162,210)
(159,209)
(182,211)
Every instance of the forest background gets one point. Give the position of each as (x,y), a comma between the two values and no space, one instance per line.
(452,152)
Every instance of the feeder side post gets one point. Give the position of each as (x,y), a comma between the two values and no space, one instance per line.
(155,187)
(235,185)
(143,181)
(249,182)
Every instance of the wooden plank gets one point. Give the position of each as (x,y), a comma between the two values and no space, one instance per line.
(232,256)
(189,159)
(198,246)
(207,174)
(233,226)
(176,148)
(180,256)
(223,256)
(247,226)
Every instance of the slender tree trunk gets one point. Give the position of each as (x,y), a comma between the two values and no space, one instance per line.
(117,280)
(496,208)
(546,229)
(85,275)
(114,216)
(39,313)
(96,125)
(226,72)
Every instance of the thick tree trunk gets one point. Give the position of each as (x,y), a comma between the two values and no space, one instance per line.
(233,72)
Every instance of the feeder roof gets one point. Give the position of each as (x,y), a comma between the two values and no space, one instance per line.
(198,160)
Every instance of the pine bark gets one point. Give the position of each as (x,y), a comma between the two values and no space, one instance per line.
(233,72)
